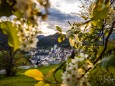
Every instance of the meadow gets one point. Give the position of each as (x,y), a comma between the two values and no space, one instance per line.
(21,80)
(97,77)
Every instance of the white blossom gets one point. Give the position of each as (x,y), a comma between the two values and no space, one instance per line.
(83,55)
(73,74)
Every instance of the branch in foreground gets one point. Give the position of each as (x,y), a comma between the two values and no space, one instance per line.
(106,42)
(87,21)
(100,56)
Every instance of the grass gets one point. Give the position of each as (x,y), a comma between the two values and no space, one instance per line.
(21,80)
(97,77)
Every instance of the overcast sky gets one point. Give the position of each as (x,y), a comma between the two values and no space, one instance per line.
(60,12)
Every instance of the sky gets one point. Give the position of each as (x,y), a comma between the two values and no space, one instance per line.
(66,6)
(60,12)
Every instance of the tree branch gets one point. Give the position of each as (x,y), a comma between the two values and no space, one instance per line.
(106,42)
(100,56)
(87,21)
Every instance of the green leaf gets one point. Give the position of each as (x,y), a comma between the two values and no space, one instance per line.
(100,10)
(110,47)
(11,32)
(61,38)
(5,9)
(108,63)
(42,83)
(58,28)
(97,23)
(47,84)
(17,13)
(60,66)
(50,73)
(104,64)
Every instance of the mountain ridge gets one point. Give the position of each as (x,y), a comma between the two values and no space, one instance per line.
(49,41)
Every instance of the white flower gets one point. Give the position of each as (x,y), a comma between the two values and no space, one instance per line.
(87,64)
(73,74)
(69,76)
(74,61)
(80,59)
(70,64)
(27,46)
(75,67)
(64,76)
(69,69)
(84,82)
(83,55)
(24,47)
(65,82)
(33,43)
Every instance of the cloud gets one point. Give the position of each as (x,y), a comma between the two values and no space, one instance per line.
(66,6)
(60,12)
(57,17)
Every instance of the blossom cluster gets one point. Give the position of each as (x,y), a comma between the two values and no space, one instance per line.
(73,35)
(73,76)
(27,34)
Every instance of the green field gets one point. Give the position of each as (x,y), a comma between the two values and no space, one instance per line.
(97,78)
(21,80)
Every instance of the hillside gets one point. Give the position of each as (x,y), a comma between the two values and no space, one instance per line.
(49,41)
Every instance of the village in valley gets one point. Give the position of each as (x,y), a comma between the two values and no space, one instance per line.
(55,55)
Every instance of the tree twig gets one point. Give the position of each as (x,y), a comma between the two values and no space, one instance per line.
(87,21)
(60,66)
(106,42)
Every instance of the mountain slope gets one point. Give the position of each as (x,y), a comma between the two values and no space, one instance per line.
(50,40)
